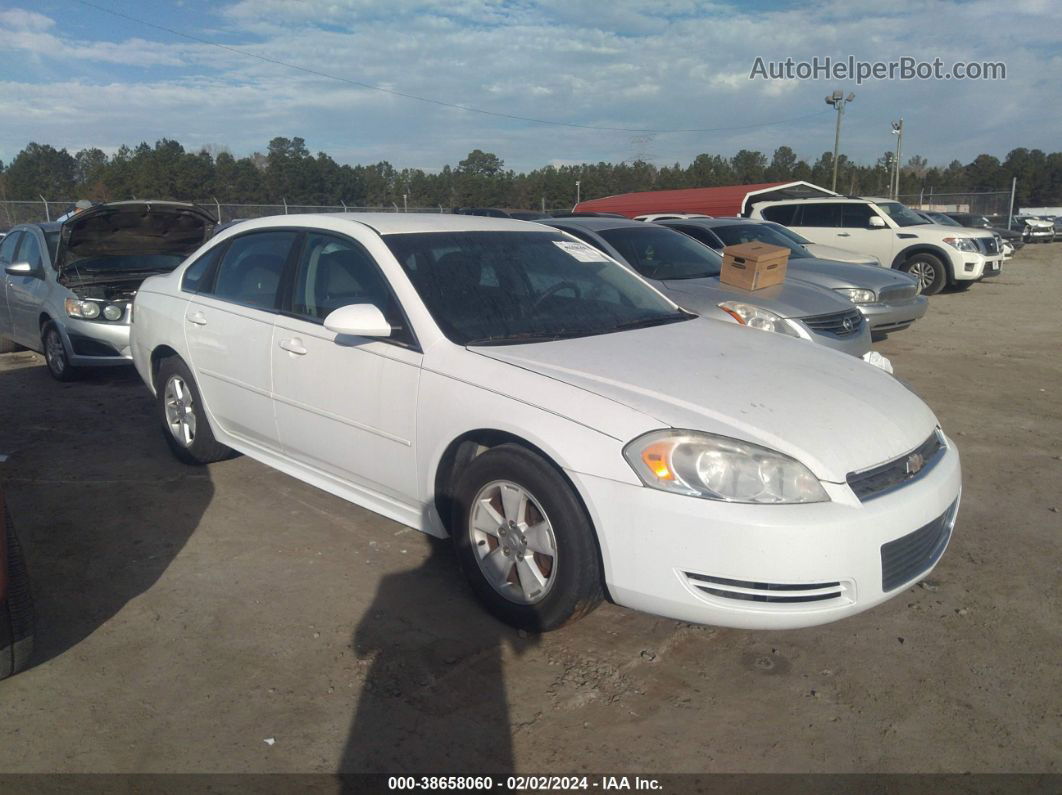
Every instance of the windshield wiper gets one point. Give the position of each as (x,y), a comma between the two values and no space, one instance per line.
(654,321)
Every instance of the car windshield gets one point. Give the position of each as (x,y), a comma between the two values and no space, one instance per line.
(759,233)
(943,220)
(660,253)
(500,288)
(785,230)
(903,216)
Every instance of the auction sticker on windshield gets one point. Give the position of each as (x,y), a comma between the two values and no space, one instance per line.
(580,251)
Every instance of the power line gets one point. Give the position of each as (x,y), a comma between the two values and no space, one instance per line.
(429,100)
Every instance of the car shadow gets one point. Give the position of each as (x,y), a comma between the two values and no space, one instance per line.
(101,506)
(434,698)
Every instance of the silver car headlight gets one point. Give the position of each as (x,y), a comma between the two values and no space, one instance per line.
(757,317)
(962,243)
(700,464)
(857,295)
(86,310)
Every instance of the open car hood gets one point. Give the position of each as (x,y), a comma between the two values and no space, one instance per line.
(131,229)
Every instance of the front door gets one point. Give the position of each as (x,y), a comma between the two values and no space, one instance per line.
(26,294)
(347,405)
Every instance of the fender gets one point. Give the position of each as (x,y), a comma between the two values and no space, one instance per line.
(925,248)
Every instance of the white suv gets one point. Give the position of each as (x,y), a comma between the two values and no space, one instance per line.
(900,238)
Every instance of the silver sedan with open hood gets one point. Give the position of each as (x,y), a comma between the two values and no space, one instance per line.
(67,289)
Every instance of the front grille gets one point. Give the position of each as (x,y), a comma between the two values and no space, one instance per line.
(899,293)
(839,324)
(906,558)
(882,479)
(988,245)
(769,592)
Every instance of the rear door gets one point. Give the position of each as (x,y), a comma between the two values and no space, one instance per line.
(25,294)
(346,405)
(229,327)
(844,225)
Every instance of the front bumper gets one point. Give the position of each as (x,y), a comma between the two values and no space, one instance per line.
(789,565)
(93,343)
(966,266)
(993,268)
(894,315)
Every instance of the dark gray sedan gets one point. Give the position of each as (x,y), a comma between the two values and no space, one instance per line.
(688,273)
(888,299)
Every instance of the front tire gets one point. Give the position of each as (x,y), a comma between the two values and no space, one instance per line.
(55,355)
(16,613)
(524,540)
(929,270)
(183,416)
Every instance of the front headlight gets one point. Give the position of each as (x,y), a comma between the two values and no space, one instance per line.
(857,295)
(86,310)
(757,317)
(962,243)
(700,464)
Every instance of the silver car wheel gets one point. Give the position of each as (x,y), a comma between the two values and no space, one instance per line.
(924,272)
(180,410)
(53,351)
(513,542)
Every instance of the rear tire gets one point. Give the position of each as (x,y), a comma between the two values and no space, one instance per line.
(55,355)
(16,613)
(929,271)
(524,540)
(183,416)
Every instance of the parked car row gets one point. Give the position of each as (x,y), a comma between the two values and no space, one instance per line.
(579,403)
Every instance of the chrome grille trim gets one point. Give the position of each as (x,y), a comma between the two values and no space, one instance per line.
(898,293)
(884,478)
(834,323)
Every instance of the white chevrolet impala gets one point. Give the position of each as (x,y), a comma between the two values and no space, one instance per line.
(572,430)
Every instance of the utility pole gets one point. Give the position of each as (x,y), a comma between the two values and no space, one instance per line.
(897,130)
(838,100)
(1013,190)
(578,193)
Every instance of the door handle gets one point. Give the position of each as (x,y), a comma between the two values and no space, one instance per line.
(197,317)
(843,234)
(294,345)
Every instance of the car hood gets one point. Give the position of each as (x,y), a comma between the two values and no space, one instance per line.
(834,413)
(133,228)
(791,298)
(826,273)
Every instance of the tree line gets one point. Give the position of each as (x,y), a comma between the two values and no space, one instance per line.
(288,171)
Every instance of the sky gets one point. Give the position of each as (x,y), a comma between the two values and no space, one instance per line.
(102,73)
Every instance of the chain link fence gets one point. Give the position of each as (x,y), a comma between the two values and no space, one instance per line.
(24,212)
(991,203)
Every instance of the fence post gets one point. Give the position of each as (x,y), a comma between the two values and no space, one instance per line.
(285,205)
(47,212)
(1013,190)
(344,206)
(218,205)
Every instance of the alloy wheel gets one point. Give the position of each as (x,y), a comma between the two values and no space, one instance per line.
(924,272)
(54,353)
(513,542)
(180,410)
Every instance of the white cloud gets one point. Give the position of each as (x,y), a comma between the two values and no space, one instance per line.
(18,19)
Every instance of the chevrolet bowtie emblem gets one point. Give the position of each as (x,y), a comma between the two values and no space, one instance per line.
(915,462)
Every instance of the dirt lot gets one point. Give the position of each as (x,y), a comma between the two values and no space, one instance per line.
(234,619)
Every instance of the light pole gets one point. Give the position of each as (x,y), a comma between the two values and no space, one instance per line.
(578,193)
(838,100)
(897,130)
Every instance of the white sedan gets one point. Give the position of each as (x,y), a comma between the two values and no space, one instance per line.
(571,429)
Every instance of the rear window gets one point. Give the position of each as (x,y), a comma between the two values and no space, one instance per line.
(660,253)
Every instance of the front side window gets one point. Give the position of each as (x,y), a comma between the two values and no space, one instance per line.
(250,271)
(660,253)
(819,215)
(856,216)
(903,216)
(333,272)
(30,251)
(499,288)
(9,247)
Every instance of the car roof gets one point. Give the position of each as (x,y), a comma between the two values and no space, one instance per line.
(710,223)
(593,224)
(44,226)
(399,223)
(828,200)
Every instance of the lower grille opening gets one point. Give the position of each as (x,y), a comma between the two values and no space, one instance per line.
(912,555)
(766,592)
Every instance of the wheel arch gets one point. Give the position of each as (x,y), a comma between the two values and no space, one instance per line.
(925,248)
(158,354)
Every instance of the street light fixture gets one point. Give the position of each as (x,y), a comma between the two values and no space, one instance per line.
(838,100)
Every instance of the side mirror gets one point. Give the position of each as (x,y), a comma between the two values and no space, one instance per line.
(358,320)
(875,222)
(19,269)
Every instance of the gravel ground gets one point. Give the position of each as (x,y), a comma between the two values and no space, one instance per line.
(232,619)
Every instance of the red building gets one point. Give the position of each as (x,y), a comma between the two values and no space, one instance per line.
(722,201)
